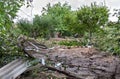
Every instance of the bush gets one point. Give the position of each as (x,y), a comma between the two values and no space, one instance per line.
(8,46)
(70,43)
(108,41)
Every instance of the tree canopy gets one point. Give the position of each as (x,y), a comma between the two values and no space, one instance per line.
(57,13)
(91,18)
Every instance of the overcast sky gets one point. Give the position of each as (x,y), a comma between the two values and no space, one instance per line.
(29,13)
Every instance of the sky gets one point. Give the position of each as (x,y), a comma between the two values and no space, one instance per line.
(37,5)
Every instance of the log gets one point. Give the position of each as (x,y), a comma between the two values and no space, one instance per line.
(72,75)
(80,63)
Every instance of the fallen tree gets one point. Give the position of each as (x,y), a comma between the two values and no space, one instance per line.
(75,63)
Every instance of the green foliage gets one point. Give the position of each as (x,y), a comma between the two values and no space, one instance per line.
(70,43)
(46,25)
(57,14)
(86,21)
(8,10)
(109,40)
(72,23)
(41,26)
(25,27)
(90,18)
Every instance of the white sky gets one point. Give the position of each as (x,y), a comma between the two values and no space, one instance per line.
(29,13)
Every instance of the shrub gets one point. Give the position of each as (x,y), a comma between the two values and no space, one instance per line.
(70,43)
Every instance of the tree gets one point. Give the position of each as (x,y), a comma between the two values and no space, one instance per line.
(57,14)
(91,18)
(8,10)
(72,23)
(51,21)
(45,25)
(42,26)
(112,35)
(25,27)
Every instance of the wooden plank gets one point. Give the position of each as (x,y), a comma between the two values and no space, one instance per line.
(13,69)
(8,65)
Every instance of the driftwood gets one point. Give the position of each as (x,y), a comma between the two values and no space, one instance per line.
(74,62)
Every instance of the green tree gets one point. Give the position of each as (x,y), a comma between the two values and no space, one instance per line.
(8,10)
(45,25)
(57,14)
(51,21)
(25,27)
(41,26)
(91,18)
(72,23)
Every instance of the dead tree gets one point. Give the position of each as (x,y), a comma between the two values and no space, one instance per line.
(75,63)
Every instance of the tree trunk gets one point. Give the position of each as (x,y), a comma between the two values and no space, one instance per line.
(90,37)
(79,63)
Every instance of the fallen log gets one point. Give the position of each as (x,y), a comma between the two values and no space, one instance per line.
(13,69)
(80,63)
(69,74)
